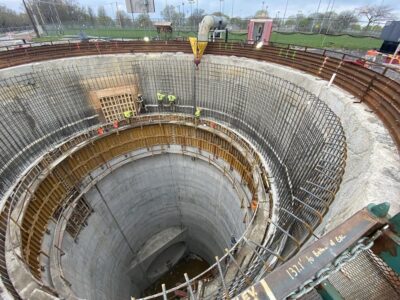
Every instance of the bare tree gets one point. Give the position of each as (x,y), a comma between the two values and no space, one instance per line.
(375,13)
(10,18)
(170,14)
(143,21)
(196,17)
(102,17)
(124,19)
(344,20)
(262,13)
(91,16)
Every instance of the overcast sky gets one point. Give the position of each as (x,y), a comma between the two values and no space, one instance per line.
(242,8)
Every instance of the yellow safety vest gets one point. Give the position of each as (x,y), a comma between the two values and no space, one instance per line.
(171,98)
(128,114)
(160,96)
(197,113)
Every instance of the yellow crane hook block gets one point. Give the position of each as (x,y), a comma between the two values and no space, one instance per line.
(198,48)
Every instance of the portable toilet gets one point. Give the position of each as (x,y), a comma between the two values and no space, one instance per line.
(259,30)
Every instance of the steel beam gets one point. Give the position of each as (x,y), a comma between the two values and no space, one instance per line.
(303,266)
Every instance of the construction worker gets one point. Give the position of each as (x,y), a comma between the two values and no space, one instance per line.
(115,124)
(141,103)
(160,98)
(171,101)
(371,55)
(233,243)
(128,114)
(197,115)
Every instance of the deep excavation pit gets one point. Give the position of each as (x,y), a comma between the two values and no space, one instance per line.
(107,216)
(167,206)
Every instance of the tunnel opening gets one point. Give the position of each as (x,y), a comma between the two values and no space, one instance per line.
(191,264)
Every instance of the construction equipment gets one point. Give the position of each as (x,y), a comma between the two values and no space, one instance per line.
(210,24)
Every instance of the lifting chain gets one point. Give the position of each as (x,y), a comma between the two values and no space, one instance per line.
(350,254)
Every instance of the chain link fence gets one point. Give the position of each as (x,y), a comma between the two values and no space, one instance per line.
(116,27)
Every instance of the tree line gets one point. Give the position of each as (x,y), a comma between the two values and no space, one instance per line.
(367,18)
(61,12)
(9,18)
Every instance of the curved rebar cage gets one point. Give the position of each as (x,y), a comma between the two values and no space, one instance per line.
(300,139)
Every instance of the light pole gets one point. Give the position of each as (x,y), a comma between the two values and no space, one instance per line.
(183,16)
(179,11)
(284,14)
(277,18)
(191,12)
(298,19)
(316,15)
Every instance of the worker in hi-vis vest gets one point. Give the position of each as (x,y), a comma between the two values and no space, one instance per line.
(128,114)
(160,98)
(171,99)
(197,115)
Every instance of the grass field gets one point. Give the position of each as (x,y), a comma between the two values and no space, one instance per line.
(316,41)
(327,41)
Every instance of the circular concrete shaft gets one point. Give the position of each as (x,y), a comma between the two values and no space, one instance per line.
(165,206)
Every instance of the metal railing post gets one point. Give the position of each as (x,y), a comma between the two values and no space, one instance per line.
(189,286)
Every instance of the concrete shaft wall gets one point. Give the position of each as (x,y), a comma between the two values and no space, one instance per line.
(145,198)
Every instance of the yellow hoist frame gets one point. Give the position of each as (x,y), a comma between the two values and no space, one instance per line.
(198,48)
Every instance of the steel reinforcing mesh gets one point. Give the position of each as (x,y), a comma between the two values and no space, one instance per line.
(299,137)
